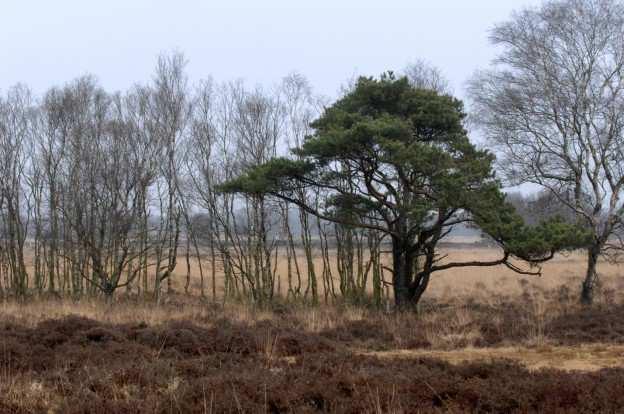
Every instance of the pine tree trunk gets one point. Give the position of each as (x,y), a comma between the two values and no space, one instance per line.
(403,268)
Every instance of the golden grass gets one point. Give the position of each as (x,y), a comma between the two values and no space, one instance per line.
(477,283)
(30,313)
(586,358)
(563,270)
(455,287)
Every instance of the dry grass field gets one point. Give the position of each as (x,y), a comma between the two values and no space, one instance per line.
(485,340)
(483,284)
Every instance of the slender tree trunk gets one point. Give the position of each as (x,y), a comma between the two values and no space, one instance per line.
(587,292)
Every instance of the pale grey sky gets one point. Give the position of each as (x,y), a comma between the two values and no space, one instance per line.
(47,43)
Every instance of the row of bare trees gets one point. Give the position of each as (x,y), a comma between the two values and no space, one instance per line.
(102,193)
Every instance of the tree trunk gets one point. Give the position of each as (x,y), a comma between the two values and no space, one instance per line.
(587,293)
(402,268)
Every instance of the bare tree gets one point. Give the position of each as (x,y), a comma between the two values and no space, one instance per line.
(302,107)
(15,127)
(541,206)
(52,135)
(103,177)
(169,113)
(211,157)
(258,124)
(552,106)
(426,76)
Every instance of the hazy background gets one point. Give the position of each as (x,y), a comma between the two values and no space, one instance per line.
(47,43)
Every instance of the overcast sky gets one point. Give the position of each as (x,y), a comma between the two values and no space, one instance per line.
(47,43)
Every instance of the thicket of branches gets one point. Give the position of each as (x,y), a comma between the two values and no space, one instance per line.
(107,192)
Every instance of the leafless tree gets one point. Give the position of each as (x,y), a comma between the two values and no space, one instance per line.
(426,76)
(52,134)
(301,107)
(169,114)
(15,127)
(552,107)
(103,177)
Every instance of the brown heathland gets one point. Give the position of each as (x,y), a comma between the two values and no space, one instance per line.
(485,340)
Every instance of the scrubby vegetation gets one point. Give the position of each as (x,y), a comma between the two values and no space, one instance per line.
(197,358)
